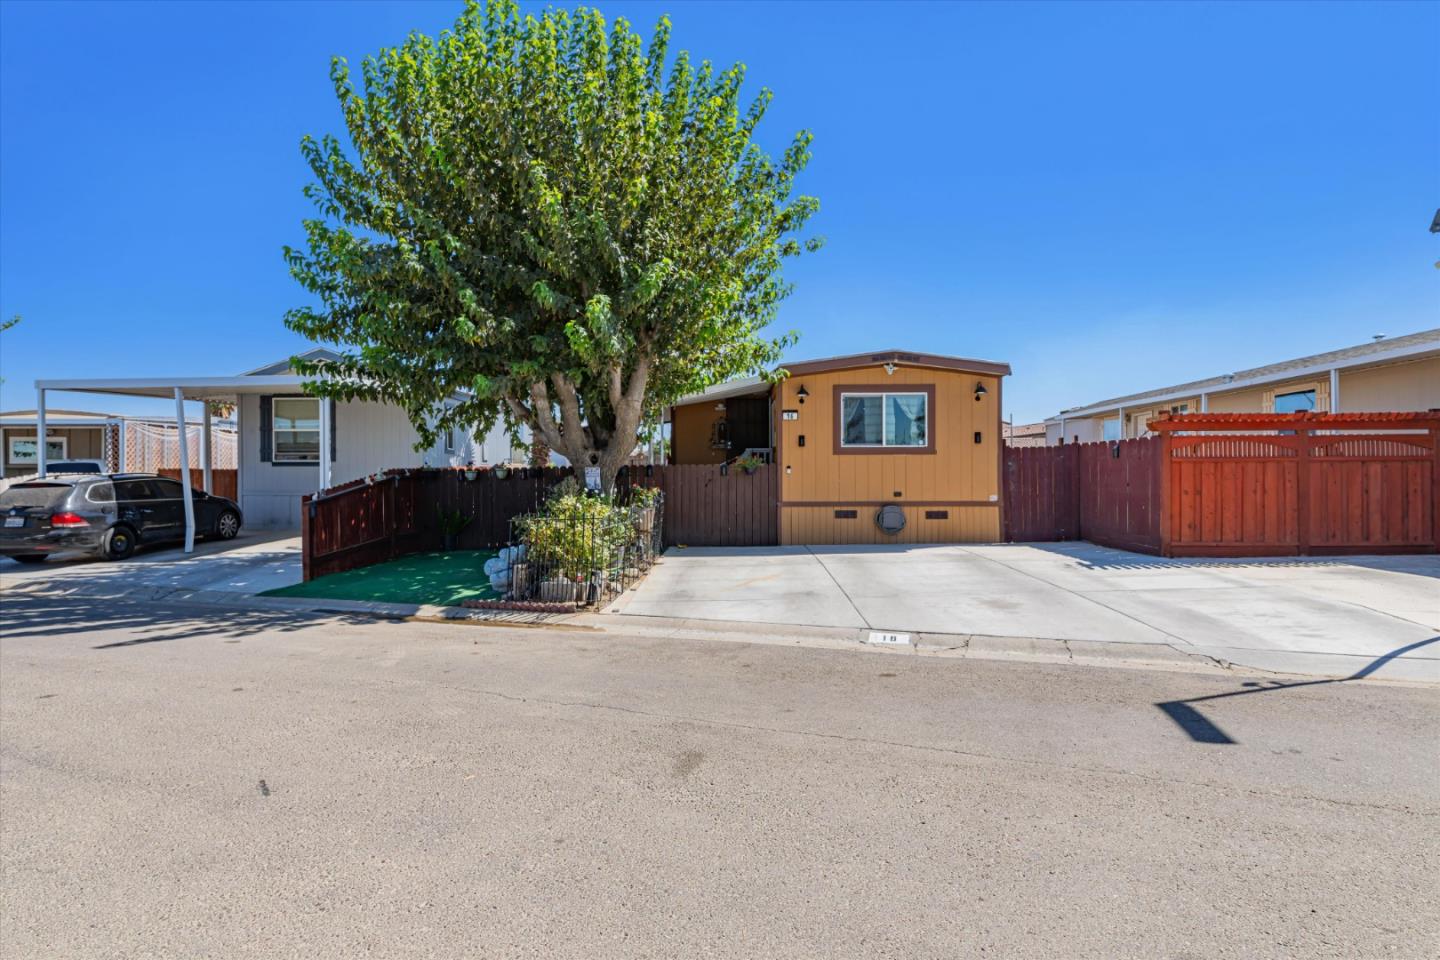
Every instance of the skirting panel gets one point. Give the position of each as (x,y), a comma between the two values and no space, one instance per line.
(924,523)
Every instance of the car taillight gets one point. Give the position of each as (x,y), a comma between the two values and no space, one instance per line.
(68,519)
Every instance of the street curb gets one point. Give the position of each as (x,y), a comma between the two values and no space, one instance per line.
(1096,653)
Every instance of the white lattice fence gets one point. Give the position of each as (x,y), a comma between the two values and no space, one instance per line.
(149,447)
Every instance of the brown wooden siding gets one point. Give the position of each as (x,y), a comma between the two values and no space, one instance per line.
(691,427)
(814,479)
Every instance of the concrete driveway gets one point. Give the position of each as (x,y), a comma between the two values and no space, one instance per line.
(1321,615)
(252,562)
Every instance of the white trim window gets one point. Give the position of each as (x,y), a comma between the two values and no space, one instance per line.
(21,450)
(295,430)
(884,419)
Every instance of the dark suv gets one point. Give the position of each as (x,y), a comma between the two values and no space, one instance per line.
(110,514)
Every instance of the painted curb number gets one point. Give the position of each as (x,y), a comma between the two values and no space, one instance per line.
(890,639)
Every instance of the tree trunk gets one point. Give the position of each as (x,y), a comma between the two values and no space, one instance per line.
(572,436)
(539,451)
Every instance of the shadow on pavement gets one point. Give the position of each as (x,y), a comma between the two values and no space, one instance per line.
(1202,730)
(80,615)
(1094,557)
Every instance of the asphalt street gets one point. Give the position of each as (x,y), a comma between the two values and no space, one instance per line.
(189,781)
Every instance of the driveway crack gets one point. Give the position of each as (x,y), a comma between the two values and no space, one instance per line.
(843,593)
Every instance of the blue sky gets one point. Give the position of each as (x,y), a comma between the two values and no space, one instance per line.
(1109,197)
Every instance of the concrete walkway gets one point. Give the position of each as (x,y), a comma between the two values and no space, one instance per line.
(247,565)
(1321,615)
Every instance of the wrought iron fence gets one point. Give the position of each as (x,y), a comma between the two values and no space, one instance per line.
(583,559)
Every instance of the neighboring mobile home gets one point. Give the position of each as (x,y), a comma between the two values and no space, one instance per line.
(119,442)
(1386,374)
(283,430)
(917,433)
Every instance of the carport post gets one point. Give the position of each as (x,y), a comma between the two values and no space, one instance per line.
(185,471)
(205,455)
(325,427)
(40,463)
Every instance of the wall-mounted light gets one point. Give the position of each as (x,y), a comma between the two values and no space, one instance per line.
(720,406)
(889,369)
(980,390)
(802,393)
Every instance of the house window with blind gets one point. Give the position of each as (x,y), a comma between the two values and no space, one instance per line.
(295,429)
(884,419)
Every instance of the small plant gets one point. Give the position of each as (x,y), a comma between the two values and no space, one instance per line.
(644,497)
(452,524)
(749,463)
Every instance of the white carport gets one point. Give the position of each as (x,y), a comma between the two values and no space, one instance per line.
(226,389)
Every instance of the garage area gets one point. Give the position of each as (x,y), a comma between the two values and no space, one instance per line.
(1323,615)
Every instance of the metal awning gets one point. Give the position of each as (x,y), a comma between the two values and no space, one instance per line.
(182,389)
(194,388)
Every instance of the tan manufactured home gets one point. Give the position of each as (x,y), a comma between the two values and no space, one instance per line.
(1386,374)
(918,433)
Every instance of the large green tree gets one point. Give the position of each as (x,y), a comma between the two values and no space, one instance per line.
(536,209)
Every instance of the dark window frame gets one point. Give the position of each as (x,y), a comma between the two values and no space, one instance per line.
(880,389)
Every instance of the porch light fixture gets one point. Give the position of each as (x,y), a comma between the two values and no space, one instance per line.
(802,393)
(980,390)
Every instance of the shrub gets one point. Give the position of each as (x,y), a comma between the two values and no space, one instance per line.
(575,535)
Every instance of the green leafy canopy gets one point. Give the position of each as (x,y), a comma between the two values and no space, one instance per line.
(539,210)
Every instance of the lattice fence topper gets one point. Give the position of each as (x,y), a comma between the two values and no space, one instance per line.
(148,447)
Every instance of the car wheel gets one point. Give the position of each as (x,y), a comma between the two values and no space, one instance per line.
(29,557)
(227,525)
(117,544)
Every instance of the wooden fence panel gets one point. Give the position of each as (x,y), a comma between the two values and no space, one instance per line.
(1295,484)
(1119,494)
(1230,494)
(225,481)
(1041,493)
(705,507)
(367,522)
(1107,493)
(1371,493)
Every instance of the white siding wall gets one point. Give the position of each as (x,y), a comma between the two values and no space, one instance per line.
(1089,431)
(369,437)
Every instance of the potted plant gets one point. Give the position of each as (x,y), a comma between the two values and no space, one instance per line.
(749,463)
(501,471)
(452,524)
(642,502)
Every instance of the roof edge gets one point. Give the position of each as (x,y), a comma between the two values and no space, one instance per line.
(900,358)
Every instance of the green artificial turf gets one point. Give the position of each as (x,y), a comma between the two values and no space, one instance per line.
(445,579)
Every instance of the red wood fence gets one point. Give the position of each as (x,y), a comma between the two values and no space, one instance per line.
(1297,484)
(1119,491)
(1041,493)
(1237,485)
(365,522)
(1107,493)
(224,481)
